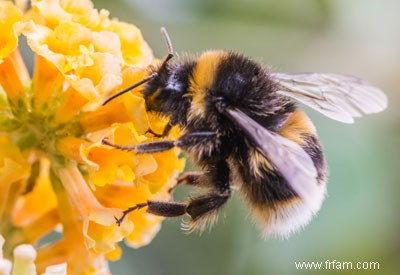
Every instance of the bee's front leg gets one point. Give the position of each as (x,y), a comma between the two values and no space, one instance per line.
(163,145)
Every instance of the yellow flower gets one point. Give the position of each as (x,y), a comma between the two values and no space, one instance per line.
(54,170)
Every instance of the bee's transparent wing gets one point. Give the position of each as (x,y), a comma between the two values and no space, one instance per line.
(339,97)
(289,158)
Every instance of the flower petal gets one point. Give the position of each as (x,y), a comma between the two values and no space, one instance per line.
(106,233)
(9,18)
(71,104)
(59,269)
(52,11)
(135,50)
(77,6)
(14,77)
(72,148)
(105,165)
(129,109)
(13,166)
(71,48)
(108,42)
(38,201)
(47,83)
(124,196)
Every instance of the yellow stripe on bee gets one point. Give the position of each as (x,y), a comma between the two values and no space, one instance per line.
(202,79)
(258,163)
(297,126)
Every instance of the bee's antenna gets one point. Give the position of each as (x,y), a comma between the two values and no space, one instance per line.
(169,46)
(153,75)
(150,77)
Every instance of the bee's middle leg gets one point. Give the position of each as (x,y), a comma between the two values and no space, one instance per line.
(201,209)
(192,178)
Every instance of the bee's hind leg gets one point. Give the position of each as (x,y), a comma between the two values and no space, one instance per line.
(203,210)
(159,208)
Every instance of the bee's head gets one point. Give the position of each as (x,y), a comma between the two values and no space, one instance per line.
(166,84)
(166,91)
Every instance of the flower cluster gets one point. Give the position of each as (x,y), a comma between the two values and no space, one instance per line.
(54,170)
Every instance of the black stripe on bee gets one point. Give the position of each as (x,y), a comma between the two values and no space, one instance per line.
(313,148)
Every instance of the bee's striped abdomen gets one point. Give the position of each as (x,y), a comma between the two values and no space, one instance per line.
(277,209)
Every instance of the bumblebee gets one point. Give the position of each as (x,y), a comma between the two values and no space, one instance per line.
(243,129)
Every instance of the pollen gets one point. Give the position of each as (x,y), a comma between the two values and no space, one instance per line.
(55,174)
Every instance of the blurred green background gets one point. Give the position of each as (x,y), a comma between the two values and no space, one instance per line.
(359,220)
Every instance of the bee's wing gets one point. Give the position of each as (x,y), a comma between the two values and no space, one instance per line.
(289,158)
(339,97)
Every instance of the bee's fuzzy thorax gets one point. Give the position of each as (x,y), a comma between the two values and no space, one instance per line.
(241,82)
